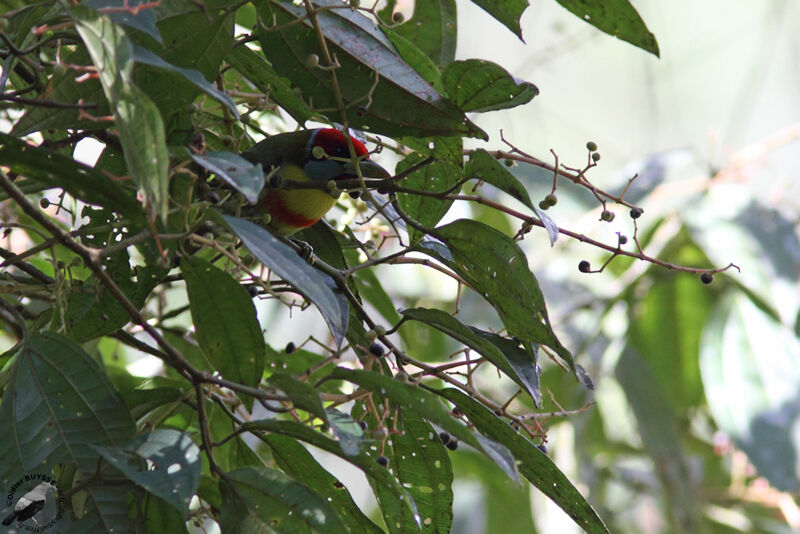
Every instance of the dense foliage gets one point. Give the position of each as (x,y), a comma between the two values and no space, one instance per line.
(155,249)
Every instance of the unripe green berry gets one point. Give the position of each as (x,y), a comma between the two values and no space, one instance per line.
(355,4)
(331,186)
(595,156)
(59,70)
(312,60)
(192,108)
(551,199)
(623,239)
(584,266)
(591,146)
(318,152)
(509,162)
(607,216)
(543,205)
(379,330)
(398,17)
(226,140)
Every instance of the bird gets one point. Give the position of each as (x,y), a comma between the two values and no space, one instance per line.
(29,504)
(305,155)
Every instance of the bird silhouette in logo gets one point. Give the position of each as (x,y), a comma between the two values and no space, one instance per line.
(30,504)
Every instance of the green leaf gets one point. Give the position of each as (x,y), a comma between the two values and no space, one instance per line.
(422,464)
(144,20)
(55,170)
(416,58)
(437,177)
(145,56)
(523,372)
(483,166)
(370,288)
(506,11)
(479,85)
(373,471)
(142,401)
(433,28)
(225,321)
(138,122)
(294,460)
(533,463)
(615,17)
(302,395)
(495,267)
(427,405)
(347,431)
(265,500)
(57,404)
(750,372)
(401,103)
(261,74)
(281,258)
(246,178)
(164,462)
(658,427)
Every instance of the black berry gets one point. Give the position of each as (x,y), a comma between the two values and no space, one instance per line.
(290,347)
(542,447)
(607,216)
(452,445)
(363,425)
(444,437)
(376,349)
(706,278)
(382,461)
(253,290)
(636,213)
(584,266)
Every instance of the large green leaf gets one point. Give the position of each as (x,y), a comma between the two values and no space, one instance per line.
(165,462)
(286,263)
(506,11)
(298,463)
(233,169)
(479,85)
(437,177)
(750,372)
(495,267)
(422,464)
(533,463)
(375,472)
(615,17)
(433,29)
(658,428)
(55,170)
(260,73)
(57,404)
(483,166)
(265,500)
(523,371)
(401,103)
(430,407)
(225,321)
(138,122)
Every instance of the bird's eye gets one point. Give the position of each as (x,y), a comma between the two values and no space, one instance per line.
(342,152)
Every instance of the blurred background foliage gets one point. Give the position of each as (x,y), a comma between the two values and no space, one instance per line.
(693,423)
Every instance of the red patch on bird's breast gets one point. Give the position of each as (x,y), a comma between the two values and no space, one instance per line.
(280,213)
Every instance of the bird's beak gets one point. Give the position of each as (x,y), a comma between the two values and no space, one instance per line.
(369,169)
